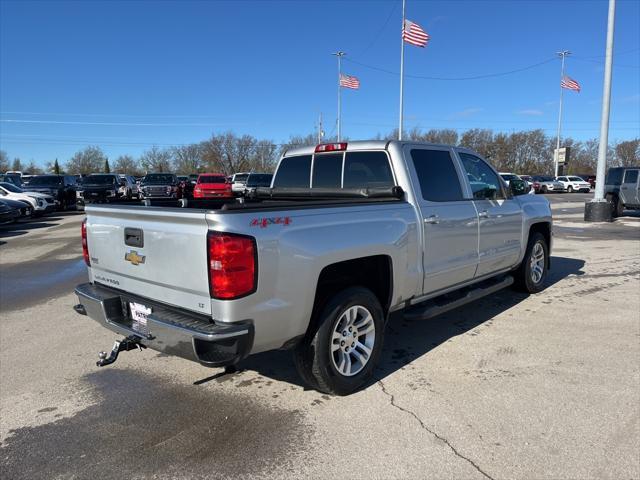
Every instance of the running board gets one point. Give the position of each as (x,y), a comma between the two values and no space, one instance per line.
(449,301)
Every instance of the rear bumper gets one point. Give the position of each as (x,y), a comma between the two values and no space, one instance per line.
(168,330)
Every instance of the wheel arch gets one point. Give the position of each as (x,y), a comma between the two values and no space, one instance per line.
(374,272)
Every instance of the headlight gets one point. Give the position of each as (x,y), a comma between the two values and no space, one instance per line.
(79,193)
(40,202)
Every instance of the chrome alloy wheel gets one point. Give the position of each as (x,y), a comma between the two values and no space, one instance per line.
(352,340)
(537,263)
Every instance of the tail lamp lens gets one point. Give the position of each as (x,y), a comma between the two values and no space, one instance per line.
(232,265)
(85,245)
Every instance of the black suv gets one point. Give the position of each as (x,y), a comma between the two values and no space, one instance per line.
(61,187)
(621,188)
(99,188)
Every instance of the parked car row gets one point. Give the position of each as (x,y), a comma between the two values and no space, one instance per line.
(550,184)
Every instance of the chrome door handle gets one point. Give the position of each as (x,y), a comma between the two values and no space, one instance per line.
(432,219)
(483,214)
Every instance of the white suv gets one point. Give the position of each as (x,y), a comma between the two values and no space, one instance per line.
(574,184)
(40,202)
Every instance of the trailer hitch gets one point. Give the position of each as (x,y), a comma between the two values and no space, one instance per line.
(124,345)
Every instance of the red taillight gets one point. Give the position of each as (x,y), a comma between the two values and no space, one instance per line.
(232,265)
(85,245)
(330,147)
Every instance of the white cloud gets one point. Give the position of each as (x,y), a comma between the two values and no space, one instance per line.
(530,111)
(466,113)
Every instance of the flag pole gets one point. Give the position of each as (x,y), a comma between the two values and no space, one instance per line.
(339,54)
(562,55)
(401,76)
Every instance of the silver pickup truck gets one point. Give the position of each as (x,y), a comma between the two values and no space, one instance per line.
(346,237)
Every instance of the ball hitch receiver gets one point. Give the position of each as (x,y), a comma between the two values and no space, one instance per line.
(124,345)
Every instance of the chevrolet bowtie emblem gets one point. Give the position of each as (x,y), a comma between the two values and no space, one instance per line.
(134,258)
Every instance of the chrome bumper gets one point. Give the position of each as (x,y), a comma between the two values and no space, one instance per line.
(168,330)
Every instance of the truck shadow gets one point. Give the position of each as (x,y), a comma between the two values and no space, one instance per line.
(408,340)
(23,227)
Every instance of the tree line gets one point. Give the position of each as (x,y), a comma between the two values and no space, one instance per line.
(526,152)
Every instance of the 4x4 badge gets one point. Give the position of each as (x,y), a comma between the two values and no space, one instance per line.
(134,258)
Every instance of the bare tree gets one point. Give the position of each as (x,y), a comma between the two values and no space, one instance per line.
(4,161)
(156,160)
(33,169)
(479,140)
(86,161)
(188,158)
(127,164)
(266,156)
(17,165)
(628,153)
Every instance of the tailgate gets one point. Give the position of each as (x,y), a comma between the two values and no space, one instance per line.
(163,257)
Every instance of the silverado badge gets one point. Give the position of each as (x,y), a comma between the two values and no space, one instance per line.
(134,258)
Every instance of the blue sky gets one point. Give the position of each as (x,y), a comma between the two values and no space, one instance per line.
(128,75)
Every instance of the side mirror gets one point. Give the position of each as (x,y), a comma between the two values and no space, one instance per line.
(518,187)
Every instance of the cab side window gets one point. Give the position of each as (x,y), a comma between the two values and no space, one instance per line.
(631,176)
(437,175)
(485,183)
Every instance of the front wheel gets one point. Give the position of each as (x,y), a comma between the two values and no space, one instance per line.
(532,272)
(570,189)
(339,354)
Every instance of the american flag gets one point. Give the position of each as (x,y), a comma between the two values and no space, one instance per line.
(414,34)
(348,81)
(570,84)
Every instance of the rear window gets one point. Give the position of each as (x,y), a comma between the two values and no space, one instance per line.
(327,171)
(159,178)
(614,177)
(508,176)
(35,181)
(240,177)
(99,180)
(367,170)
(259,180)
(212,179)
(293,172)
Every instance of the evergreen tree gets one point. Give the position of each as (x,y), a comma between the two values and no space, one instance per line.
(106,166)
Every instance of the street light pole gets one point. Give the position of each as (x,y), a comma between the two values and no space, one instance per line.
(339,55)
(600,210)
(562,55)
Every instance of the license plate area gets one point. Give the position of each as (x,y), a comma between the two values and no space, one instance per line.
(136,314)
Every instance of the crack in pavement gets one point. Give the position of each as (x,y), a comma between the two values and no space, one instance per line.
(435,434)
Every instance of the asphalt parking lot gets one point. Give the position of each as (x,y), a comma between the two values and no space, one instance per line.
(511,386)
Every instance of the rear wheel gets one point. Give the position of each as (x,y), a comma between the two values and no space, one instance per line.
(544,189)
(339,354)
(617,205)
(532,272)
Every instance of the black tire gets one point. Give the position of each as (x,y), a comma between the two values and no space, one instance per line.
(618,207)
(524,279)
(544,189)
(569,189)
(313,356)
